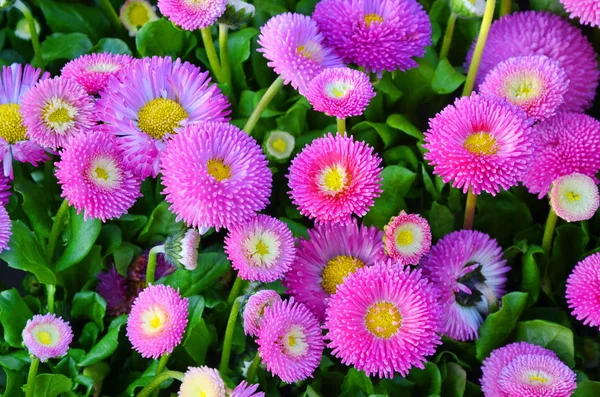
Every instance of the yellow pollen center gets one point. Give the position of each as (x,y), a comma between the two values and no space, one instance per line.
(202,394)
(405,237)
(279,145)
(11,123)
(481,143)
(572,196)
(383,320)
(44,338)
(218,170)
(336,271)
(261,248)
(333,179)
(155,322)
(101,173)
(370,18)
(138,14)
(60,116)
(292,341)
(537,379)
(301,50)
(160,116)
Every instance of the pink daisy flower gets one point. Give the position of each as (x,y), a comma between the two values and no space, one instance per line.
(564,144)
(479,143)
(340,92)
(134,14)
(94,178)
(384,319)
(255,310)
(327,257)
(246,390)
(407,238)
(5,191)
(334,177)
(47,336)
(536,84)
(15,81)
(191,14)
(588,11)
(379,35)
(149,103)
(542,33)
(115,291)
(583,290)
(157,321)
(215,175)
(93,71)
(294,48)
(181,249)
(202,381)
(261,249)
(467,268)
(574,197)
(290,342)
(5,228)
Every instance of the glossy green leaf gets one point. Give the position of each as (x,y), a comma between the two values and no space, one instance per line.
(65,46)
(74,18)
(455,382)
(90,305)
(82,236)
(587,388)
(211,266)
(441,220)
(161,222)
(549,335)
(14,314)
(397,181)
(35,205)
(49,385)
(112,46)
(401,123)
(107,345)
(530,281)
(446,78)
(238,44)
(357,380)
(428,380)
(160,38)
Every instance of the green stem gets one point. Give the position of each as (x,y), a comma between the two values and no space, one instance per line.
(486,22)
(448,36)
(35,41)
(211,53)
(224,52)
(505,7)
(253,368)
(112,15)
(59,221)
(162,364)
(549,231)
(151,268)
(147,391)
(235,290)
(33,368)
(470,210)
(341,126)
(50,291)
(226,353)
(262,105)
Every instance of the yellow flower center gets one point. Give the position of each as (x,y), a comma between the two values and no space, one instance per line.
(523,87)
(279,145)
(294,342)
(481,143)
(572,196)
(370,18)
(334,179)
(302,50)
(11,123)
(537,379)
(101,173)
(337,269)
(45,338)
(153,320)
(405,237)
(262,248)
(160,116)
(59,115)
(383,320)
(218,170)
(138,14)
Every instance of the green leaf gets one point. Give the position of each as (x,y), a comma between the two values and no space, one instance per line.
(530,281)
(48,385)
(123,257)
(239,51)
(297,229)
(160,38)
(401,123)
(90,305)
(131,224)
(82,236)
(15,361)
(35,205)
(161,222)
(110,238)
(112,46)
(456,381)
(446,78)
(552,336)
(387,135)
(14,383)
(587,388)
(74,18)
(396,183)
(441,220)
(197,342)
(554,6)
(310,392)
(14,314)
(428,183)
(65,46)
(357,380)
(568,248)
(401,155)
(211,266)
(294,119)
(495,210)
(107,345)
(428,380)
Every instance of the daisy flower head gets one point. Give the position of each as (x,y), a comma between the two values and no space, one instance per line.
(479,143)
(92,71)
(289,341)
(246,390)
(335,177)
(468,8)
(583,289)
(215,175)
(574,197)
(255,310)
(279,145)
(469,271)
(588,11)
(192,14)
(542,33)
(294,48)
(15,81)
(47,336)
(536,84)
(151,101)
(157,321)
(5,228)
(260,249)
(202,381)
(340,92)
(115,291)
(565,144)
(134,14)
(181,249)
(379,35)
(94,178)
(384,319)
(407,238)
(327,257)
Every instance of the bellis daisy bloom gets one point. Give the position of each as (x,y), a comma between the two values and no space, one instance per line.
(467,268)
(94,178)
(202,381)
(468,8)
(115,291)
(278,145)
(583,289)
(181,249)
(151,100)
(479,143)
(255,309)
(289,341)
(215,175)
(536,84)
(588,11)
(335,177)
(192,14)
(134,14)
(384,319)
(93,71)
(379,35)
(565,144)
(574,197)
(407,238)
(294,48)
(246,390)
(542,33)
(327,257)
(340,92)
(157,321)
(47,336)
(15,81)
(5,228)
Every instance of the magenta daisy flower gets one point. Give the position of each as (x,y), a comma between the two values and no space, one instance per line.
(115,291)
(542,33)
(384,319)
(215,175)
(15,81)
(134,14)
(588,11)
(479,143)
(335,177)
(574,197)
(246,390)
(327,257)
(5,228)
(149,103)
(565,144)
(255,309)
(290,342)
(261,249)
(583,290)
(192,14)
(157,321)
(202,381)
(294,48)
(94,178)
(379,35)
(536,84)
(5,192)
(467,268)
(47,336)
(93,71)
(407,238)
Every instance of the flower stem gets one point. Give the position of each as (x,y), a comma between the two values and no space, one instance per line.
(35,41)
(253,368)
(262,105)
(50,291)
(470,210)
(59,221)
(211,53)
(486,22)
(341,126)
(147,391)
(151,268)
(224,52)
(505,7)
(33,368)
(549,231)
(112,15)
(235,290)
(162,364)
(226,353)
(448,36)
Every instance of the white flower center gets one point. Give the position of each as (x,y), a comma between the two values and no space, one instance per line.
(294,342)
(59,115)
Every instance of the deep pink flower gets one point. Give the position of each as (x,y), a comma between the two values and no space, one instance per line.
(255,310)
(92,71)
(47,336)
(407,238)
(192,14)
(588,11)
(5,228)
(583,291)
